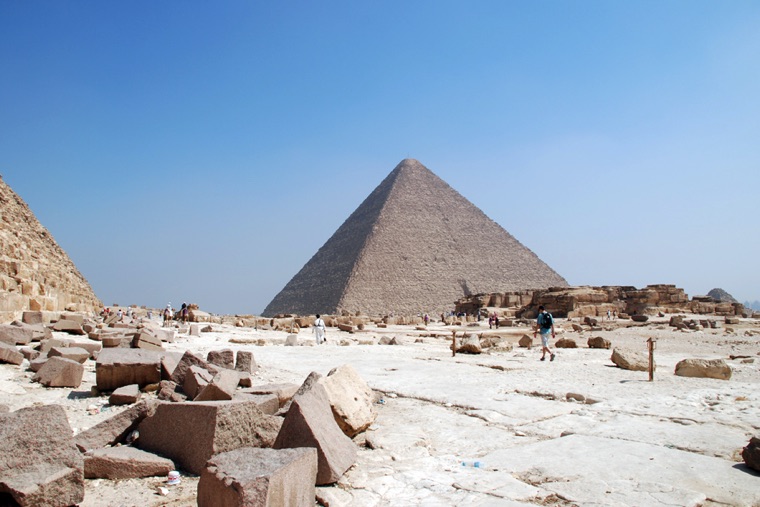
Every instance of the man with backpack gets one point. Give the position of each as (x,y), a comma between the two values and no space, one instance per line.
(545,323)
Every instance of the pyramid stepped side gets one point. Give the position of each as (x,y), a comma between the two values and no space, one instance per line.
(35,272)
(320,284)
(431,246)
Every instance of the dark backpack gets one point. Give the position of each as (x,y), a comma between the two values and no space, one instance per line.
(547,322)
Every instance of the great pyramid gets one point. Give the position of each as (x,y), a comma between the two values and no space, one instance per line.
(414,245)
(35,272)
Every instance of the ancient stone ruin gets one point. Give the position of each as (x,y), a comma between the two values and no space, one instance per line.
(35,272)
(596,302)
(414,245)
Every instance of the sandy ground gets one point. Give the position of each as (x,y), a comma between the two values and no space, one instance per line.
(674,441)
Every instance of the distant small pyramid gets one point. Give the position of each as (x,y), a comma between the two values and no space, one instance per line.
(35,272)
(414,245)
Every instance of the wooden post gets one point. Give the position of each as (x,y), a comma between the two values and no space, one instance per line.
(651,345)
(454,343)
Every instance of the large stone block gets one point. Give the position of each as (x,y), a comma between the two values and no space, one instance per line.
(351,400)
(284,392)
(30,317)
(69,326)
(223,358)
(115,429)
(630,360)
(15,335)
(144,340)
(245,362)
(125,395)
(267,403)
(124,462)
(222,387)
(189,359)
(262,477)
(310,423)
(119,367)
(77,354)
(39,464)
(751,454)
(60,372)
(704,368)
(10,354)
(91,346)
(190,433)
(196,378)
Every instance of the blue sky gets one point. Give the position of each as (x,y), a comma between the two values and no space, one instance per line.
(203,151)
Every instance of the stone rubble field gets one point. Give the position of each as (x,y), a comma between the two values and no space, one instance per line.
(575,431)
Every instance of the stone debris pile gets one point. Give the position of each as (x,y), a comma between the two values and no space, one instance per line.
(265,444)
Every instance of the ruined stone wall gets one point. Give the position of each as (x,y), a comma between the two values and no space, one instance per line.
(596,301)
(35,272)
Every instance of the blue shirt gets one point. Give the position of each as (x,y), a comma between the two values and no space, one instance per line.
(541,328)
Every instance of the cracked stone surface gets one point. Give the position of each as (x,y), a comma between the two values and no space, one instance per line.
(674,441)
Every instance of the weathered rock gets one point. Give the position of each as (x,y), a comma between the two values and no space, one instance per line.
(190,433)
(48,344)
(591,321)
(751,453)
(245,362)
(291,340)
(189,359)
(310,423)
(577,327)
(39,464)
(29,353)
(284,392)
(39,331)
(10,354)
(167,391)
(91,346)
(470,345)
(526,341)
(351,400)
(223,358)
(15,335)
(630,360)
(119,367)
(60,372)
(196,378)
(597,342)
(115,429)
(146,341)
(263,477)
(77,354)
(222,387)
(704,368)
(125,395)
(38,362)
(124,462)
(566,343)
(69,326)
(267,403)
(30,317)
(639,318)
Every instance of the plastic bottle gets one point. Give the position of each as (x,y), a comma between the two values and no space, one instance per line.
(473,464)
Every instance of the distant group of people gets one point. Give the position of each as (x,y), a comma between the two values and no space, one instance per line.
(611,314)
(493,321)
(181,315)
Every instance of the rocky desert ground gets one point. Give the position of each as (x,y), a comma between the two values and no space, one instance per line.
(575,431)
